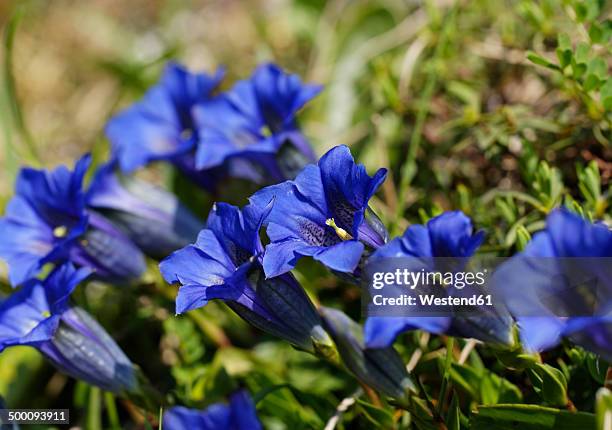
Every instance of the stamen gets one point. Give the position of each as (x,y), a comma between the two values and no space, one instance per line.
(187,134)
(60,231)
(265,131)
(46,314)
(342,233)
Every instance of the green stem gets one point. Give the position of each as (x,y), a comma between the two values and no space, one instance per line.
(450,344)
(111,411)
(94,418)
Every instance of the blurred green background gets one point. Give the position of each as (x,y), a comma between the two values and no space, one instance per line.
(499,108)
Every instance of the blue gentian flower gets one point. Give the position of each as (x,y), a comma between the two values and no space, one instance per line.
(239,414)
(160,126)
(151,217)
(47,222)
(324,214)
(447,235)
(39,315)
(225,263)
(255,120)
(527,277)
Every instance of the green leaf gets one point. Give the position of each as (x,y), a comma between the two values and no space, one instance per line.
(589,182)
(581,11)
(598,67)
(422,416)
(529,417)
(541,61)
(565,57)
(579,60)
(379,417)
(596,366)
(591,82)
(582,52)
(552,384)
(484,386)
(453,415)
(564,42)
(596,33)
(523,237)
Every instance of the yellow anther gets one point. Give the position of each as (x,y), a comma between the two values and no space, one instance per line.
(60,231)
(265,131)
(46,314)
(342,233)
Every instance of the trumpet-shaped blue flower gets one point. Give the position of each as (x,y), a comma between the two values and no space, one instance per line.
(239,414)
(161,127)
(47,222)
(567,237)
(151,217)
(225,263)
(324,214)
(447,235)
(255,121)
(39,315)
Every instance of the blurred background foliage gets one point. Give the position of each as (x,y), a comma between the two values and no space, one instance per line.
(499,108)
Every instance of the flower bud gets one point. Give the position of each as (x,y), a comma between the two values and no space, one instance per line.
(381,369)
(82,349)
(292,316)
(151,217)
(104,248)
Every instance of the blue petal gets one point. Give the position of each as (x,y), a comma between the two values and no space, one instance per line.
(240,238)
(26,240)
(541,245)
(22,313)
(211,246)
(381,332)
(310,185)
(281,257)
(253,120)
(540,333)
(573,236)
(414,243)
(347,185)
(60,284)
(280,95)
(186,88)
(343,257)
(244,415)
(138,139)
(56,195)
(215,417)
(191,297)
(153,128)
(593,333)
(191,265)
(451,235)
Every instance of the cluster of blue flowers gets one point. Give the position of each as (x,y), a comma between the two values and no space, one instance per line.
(59,226)
(249,131)
(321,210)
